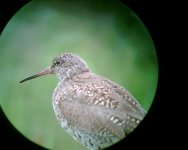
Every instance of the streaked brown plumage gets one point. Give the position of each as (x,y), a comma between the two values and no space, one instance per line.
(94,110)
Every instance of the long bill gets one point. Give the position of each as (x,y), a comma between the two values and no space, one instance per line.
(43,72)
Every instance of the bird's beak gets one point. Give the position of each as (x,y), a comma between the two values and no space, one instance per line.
(43,72)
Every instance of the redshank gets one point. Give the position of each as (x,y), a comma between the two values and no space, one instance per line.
(94,110)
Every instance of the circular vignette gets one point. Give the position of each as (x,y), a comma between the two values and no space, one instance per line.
(109,54)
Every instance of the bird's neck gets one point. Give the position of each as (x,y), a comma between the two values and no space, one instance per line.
(69,74)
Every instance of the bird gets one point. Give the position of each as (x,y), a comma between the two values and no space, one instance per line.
(94,110)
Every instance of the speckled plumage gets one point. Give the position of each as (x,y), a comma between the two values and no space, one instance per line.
(95,111)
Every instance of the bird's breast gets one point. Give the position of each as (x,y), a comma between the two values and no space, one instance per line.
(59,95)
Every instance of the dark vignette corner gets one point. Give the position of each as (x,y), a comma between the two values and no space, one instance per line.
(148,131)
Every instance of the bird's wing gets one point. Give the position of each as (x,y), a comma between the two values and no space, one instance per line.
(98,90)
(110,102)
(91,120)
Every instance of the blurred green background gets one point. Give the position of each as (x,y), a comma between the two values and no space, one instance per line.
(106,34)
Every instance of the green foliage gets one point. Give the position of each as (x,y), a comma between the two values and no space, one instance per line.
(106,34)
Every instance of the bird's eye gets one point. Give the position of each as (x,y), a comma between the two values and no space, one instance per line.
(57,62)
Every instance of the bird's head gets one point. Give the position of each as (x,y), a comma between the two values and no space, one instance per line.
(65,66)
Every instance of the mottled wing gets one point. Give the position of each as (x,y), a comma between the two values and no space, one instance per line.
(101,91)
(103,105)
(91,120)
